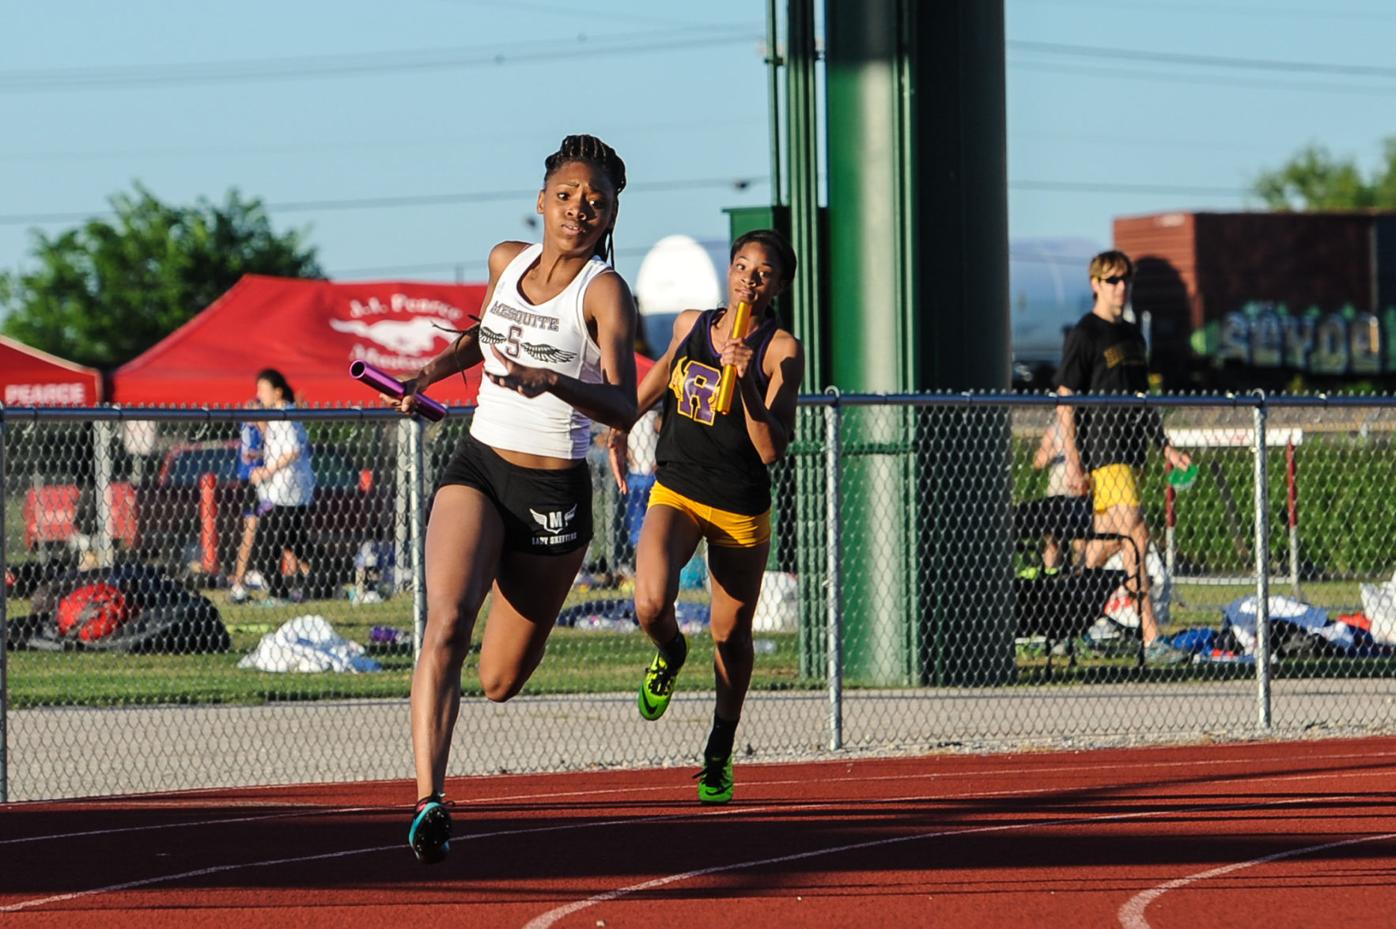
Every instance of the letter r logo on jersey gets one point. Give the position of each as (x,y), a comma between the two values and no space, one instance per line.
(695,386)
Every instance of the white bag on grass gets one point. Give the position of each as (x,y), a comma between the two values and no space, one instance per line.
(778,610)
(1379,603)
(308,644)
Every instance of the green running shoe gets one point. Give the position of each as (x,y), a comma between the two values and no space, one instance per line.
(657,688)
(715,780)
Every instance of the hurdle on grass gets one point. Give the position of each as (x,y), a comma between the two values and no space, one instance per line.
(1290,438)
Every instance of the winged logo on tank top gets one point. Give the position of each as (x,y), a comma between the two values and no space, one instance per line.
(538,351)
(547,353)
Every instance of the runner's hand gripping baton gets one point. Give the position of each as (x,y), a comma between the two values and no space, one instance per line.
(728,382)
(384,382)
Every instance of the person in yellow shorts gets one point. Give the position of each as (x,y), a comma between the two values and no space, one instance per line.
(1114,485)
(1106,446)
(713,484)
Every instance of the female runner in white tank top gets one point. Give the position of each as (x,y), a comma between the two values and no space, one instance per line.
(512,510)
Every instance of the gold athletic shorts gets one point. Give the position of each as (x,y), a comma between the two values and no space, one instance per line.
(719,527)
(1114,485)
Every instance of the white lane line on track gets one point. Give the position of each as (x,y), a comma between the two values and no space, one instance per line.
(546,920)
(725,811)
(199,872)
(747,785)
(203,792)
(1132,913)
(1014,772)
(154,827)
(198,795)
(218,869)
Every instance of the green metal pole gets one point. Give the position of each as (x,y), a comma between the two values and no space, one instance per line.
(773,63)
(810,324)
(918,244)
(869,252)
(917,267)
(869,198)
(963,341)
(803,108)
(961,171)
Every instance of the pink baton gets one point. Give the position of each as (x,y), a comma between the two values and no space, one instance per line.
(384,382)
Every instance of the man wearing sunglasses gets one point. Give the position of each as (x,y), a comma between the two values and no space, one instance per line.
(1106,447)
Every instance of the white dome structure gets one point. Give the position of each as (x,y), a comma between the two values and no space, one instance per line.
(676,274)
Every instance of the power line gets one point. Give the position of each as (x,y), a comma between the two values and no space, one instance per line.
(124,76)
(1209,80)
(477,265)
(1040,258)
(1267,10)
(1094,139)
(340,145)
(575,12)
(448,199)
(1205,61)
(418,200)
(457,267)
(1093,187)
(430,266)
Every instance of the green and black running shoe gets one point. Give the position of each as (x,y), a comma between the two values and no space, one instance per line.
(657,688)
(715,780)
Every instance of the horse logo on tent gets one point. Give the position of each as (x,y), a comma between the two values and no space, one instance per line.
(415,336)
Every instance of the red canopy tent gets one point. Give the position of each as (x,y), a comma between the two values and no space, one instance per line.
(29,377)
(311,331)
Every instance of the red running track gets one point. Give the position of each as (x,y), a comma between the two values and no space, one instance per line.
(1271,835)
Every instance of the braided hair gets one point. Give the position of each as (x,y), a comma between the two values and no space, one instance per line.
(592,151)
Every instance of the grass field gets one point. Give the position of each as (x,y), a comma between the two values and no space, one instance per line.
(578,661)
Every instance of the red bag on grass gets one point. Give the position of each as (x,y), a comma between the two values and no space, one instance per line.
(92,611)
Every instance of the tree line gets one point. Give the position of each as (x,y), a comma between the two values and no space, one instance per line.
(104,292)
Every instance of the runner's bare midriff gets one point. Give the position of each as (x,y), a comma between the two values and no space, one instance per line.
(543,462)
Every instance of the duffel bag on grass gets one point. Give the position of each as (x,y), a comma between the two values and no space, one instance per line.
(127,608)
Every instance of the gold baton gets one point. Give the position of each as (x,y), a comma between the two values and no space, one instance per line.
(728,382)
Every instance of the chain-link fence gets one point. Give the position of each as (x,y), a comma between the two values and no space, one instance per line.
(936,579)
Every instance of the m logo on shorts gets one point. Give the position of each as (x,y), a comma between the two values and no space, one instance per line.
(552,524)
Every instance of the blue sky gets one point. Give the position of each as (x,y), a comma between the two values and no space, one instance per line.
(407,137)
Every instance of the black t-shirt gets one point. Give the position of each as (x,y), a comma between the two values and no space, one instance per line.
(1105,357)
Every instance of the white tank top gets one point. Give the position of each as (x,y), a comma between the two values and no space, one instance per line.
(551,335)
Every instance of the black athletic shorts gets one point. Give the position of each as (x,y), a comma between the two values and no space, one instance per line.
(545,512)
